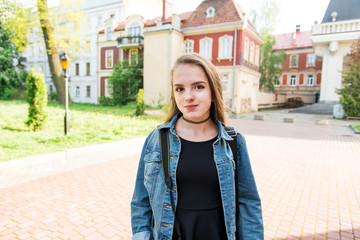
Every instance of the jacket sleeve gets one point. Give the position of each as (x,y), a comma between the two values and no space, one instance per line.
(250,222)
(141,213)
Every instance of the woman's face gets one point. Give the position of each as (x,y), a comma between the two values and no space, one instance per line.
(192,91)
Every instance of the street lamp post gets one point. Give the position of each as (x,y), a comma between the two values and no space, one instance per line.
(65,64)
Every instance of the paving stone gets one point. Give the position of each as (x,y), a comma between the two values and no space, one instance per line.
(307,177)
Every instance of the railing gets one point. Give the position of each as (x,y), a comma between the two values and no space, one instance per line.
(130,41)
(336,27)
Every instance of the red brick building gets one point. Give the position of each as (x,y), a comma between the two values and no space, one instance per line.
(301,71)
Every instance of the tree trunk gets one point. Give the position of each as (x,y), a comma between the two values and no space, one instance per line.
(52,51)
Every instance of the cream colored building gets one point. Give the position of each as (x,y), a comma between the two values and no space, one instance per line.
(332,40)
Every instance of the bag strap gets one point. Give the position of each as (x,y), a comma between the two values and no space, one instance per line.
(233,145)
(165,156)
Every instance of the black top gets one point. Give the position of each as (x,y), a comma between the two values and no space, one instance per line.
(199,210)
(197,180)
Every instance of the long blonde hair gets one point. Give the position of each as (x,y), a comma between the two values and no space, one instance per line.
(217,109)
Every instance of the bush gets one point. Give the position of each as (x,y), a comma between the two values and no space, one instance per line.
(11,83)
(350,93)
(140,103)
(106,101)
(52,96)
(36,96)
(125,82)
(294,103)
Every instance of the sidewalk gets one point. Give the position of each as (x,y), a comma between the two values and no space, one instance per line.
(307,176)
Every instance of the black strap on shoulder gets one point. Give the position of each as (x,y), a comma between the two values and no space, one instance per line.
(233,145)
(165,162)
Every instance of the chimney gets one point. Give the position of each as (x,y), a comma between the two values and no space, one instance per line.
(297,28)
(163,11)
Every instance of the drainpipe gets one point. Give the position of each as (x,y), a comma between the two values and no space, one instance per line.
(169,58)
(233,75)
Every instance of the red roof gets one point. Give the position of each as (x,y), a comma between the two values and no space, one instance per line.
(293,40)
(225,11)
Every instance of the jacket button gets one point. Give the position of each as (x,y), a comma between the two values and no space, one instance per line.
(172,158)
(165,225)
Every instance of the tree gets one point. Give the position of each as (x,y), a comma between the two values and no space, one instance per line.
(60,27)
(270,66)
(264,18)
(125,81)
(350,92)
(15,19)
(10,80)
(70,21)
(36,96)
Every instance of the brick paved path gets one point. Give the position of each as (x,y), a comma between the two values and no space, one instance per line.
(307,175)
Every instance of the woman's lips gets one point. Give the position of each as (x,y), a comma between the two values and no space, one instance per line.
(190,107)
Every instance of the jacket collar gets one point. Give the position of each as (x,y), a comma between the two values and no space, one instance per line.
(171,125)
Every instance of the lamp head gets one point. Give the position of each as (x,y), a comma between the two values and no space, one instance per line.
(65,61)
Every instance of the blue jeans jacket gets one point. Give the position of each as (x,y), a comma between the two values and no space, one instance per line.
(151,214)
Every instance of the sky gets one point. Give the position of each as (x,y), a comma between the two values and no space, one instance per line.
(292,12)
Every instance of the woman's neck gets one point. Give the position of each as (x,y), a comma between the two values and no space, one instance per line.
(196,132)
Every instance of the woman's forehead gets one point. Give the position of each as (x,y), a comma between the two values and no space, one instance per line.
(189,72)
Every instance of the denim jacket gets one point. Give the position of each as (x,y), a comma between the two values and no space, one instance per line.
(151,214)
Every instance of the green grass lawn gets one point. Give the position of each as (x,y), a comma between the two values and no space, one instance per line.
(357,126)
(89,124)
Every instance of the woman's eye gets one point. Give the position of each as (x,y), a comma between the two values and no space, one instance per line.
(199,87)
(178,89)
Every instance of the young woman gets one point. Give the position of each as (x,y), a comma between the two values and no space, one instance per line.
(201,167)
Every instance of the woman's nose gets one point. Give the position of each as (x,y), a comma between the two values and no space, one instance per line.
(189,96)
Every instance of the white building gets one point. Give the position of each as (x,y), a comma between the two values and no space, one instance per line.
(332,40)
(83,69)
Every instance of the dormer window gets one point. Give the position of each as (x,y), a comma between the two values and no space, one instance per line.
(210,12)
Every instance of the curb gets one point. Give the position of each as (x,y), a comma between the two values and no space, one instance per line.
(355,130)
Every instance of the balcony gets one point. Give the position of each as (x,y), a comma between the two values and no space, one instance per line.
(337,27)
(130,42)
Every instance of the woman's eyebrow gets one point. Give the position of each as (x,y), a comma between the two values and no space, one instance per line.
(198,82)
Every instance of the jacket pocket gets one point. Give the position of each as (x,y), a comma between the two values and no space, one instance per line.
(152,161)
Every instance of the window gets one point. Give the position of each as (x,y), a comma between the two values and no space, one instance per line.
(88,69)
(112,16)
(77,69)
(294,61)
(109,57)
(134,55)
(109,33)
(206,47)
(293,80)
(41,49)
(252,52)
(134,29)
(225,82)
(77,93)
(246,49)
(225,47)
(100,21)
(210,12)
(311,59)
(88,91)
(257,56)
(51,88)
(277,83)
(189,46)
(310,80)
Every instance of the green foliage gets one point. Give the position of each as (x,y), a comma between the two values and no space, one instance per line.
(140,103)
(15,18)
(270,66)
(10,80)
(125,81)
(106,101)
(350,92)
(36,96)
(52,96)
(264,17)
